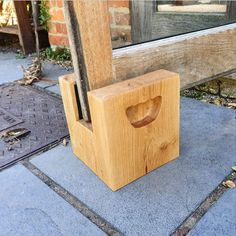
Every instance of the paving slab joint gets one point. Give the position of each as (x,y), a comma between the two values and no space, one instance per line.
(45,90)
(189,223)
(96,219)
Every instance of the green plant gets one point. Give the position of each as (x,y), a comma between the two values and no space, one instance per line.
(192,93)
(20,55)
(59,54)
(44,15)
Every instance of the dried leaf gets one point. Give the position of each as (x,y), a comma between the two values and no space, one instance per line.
(32,73)
(232,104)
(234,168)
(217,102)
(65,142)
(229,184)
(14,134)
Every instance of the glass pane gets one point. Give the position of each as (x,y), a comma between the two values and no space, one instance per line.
(139,21)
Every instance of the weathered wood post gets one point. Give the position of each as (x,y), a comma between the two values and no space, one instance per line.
(231,9)
(141,20)
(26,35)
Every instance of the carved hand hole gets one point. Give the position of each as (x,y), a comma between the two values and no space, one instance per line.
(144,113)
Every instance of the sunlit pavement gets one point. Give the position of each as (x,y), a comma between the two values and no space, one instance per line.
(155,204)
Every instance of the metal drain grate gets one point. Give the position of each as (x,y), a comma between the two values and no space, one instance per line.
(38,112)
(7,120)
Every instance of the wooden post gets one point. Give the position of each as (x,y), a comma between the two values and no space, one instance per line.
(231,10)
(26,35)
(90,42)
(179,2)
(77,58)
(94,29)
(141,20)
(214,55)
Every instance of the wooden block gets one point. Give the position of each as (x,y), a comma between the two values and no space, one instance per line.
(135,126)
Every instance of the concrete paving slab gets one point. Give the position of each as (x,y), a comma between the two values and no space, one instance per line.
(10,67)
(10,70)
(51,73)
(220,220)
(54,89)
(45,84)
(157,203)
(29,207)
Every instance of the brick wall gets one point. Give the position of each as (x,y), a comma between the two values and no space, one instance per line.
(57,27)
(119,22)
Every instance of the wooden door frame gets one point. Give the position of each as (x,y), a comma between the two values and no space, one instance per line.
(231,9)
(141,19)
(196,56)
(142,13)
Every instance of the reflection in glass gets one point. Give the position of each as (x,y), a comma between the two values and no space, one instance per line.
(144,20)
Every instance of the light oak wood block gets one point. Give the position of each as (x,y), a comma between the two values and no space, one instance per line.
(135,126)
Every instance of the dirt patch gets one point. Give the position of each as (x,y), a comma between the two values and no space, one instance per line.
(9,44)
(221,92)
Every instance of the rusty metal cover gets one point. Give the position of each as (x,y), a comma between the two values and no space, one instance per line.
(40,113)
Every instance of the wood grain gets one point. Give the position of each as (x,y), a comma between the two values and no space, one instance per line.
(141,20)
(231,10)
(115,148)
(80,131)
(12,29)
(195,56)
(95,39)
(26,35)
(77,57)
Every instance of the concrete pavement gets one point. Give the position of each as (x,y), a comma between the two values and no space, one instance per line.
(155,204)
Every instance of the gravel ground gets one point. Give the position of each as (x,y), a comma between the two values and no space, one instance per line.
(221,92)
